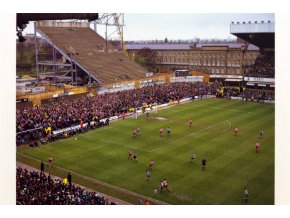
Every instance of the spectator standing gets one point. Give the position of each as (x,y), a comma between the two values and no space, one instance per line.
(69,179)
(41,167)
(140,201)
(35,189)
(246,193)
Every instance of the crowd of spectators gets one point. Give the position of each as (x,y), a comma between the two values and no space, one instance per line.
(250,94)
(67,113)
(263,66)
(259,95)
(33,188)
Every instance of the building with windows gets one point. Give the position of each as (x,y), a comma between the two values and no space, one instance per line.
(225,61)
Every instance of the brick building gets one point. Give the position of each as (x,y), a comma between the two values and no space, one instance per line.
(219,60)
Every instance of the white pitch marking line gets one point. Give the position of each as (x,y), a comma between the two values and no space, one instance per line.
(99,182)
(112,142)
(229,125)
(196,132)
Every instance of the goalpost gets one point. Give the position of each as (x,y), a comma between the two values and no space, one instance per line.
(139,110)
(136,113)
(155,107)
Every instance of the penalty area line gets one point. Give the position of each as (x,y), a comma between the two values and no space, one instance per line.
(199,131)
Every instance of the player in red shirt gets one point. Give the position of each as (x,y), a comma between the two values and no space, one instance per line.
(190,123)
(130,155)
(236,130)
(257,147)
(50,161)
(161,132)
(164,185)
(134,133)
(151,164)
(123,115)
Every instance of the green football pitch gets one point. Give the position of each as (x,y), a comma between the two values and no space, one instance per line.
(232,162)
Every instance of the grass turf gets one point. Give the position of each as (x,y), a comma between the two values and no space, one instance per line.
(232,161)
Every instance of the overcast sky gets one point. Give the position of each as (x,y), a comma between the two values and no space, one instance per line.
(179,26)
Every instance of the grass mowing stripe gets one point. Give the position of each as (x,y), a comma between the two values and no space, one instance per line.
(188,184)
(101,183)
(197,132)
(113,143)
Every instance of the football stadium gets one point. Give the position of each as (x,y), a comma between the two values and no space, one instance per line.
(100,123)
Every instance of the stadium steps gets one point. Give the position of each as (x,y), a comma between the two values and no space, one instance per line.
(88,48)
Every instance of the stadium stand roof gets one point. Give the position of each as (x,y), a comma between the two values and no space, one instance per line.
(88,49)
(24,18)
(260,34)
(186,46)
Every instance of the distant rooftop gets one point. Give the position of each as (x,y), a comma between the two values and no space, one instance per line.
(186,46)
